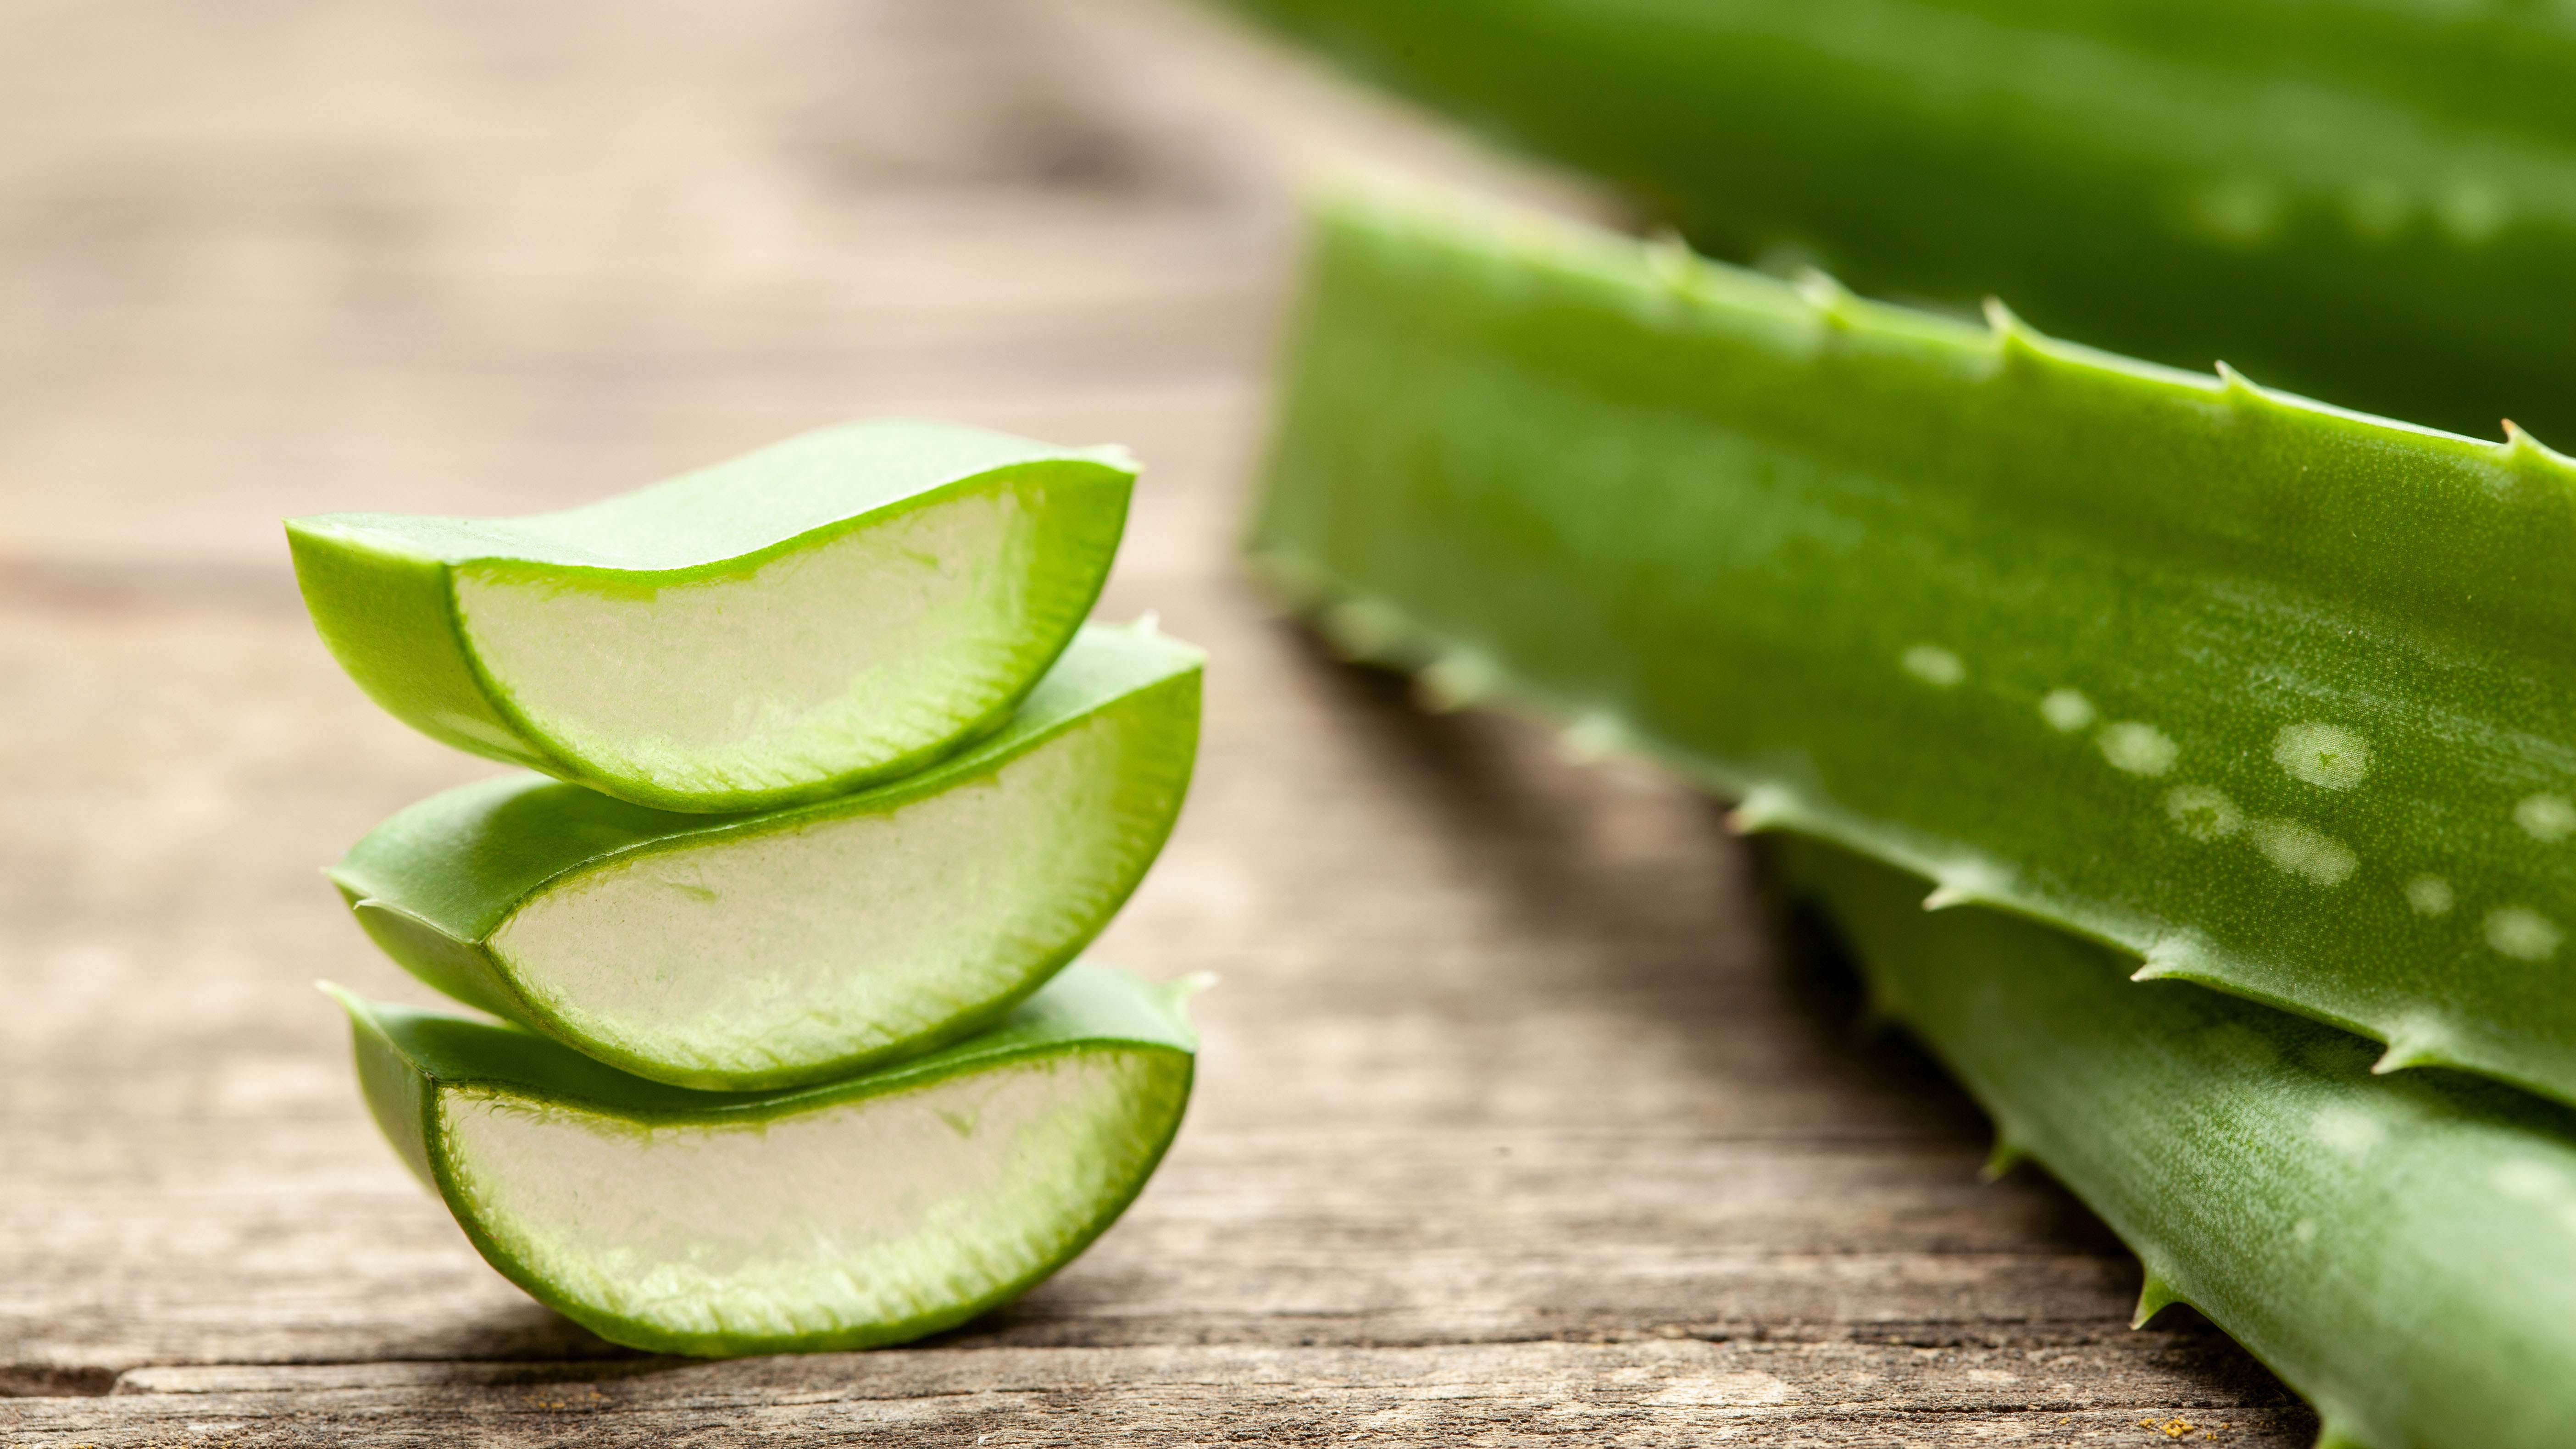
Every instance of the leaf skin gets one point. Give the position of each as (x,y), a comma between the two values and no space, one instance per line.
(435,884)
(2401,1250)
(2362,200)
(388,594)
(2273,695)
(409,1061)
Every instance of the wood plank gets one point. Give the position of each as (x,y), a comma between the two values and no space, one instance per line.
(1663,1392)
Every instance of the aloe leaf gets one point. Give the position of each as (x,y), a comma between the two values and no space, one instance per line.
(865,1211)
(748,951)
(2367,200)
(843,607)
(2273,695)
(2401,1251)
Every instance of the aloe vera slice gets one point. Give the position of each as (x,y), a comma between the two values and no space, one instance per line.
(865,1211)
(2402,1251)
(741,952)
(843,607)
(2370,200)
(2273,695)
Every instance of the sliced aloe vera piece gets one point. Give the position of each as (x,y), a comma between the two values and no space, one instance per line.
(843,607)
(2400,1250)
(2372,200)
(740,952)
(865,1211)
(2274,695)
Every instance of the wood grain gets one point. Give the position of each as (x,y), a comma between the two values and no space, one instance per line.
(1516,1121)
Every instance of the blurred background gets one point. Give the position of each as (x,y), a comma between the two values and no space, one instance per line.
(1504,1055)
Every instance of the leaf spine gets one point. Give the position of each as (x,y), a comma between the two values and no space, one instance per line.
(1363,630)
(1670,259)
(1765,807)
(1456,681)
(1832,300)
(2010,331)
(2411,1046)
(2154,1296)
(2521,447)
(2002,1158)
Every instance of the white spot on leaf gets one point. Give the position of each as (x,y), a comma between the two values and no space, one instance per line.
(2065,710)
(2140,749)
(2328,756)
(1934,665)
(2304,851)
(2473,210)
(2528,1181)
(2203,813)
(2239,209)
(2523,934)
(2346,1129)
(2430,895)
(2546,818)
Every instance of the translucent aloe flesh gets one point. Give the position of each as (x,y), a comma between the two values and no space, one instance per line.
(865,1211)
(2275,696)
(2401,1250)
(736,952)
(843,607)
(2369,200)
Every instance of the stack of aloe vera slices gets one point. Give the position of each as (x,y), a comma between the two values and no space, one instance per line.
(2129,674)
(794,1052)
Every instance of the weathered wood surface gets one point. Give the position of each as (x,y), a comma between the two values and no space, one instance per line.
(1515,1125)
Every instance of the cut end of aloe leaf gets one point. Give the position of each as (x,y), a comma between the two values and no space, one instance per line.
(869,1211)
(746,952)
(842,607)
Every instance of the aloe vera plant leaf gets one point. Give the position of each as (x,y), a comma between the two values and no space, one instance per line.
(751,951)
(2365,200)
(2273,695)
(861,1212)
(840,608)
(2400,1250)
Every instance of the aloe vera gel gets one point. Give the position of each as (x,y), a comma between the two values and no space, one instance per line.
(795,1053)
(796,945)
(871,1210)
(837,609)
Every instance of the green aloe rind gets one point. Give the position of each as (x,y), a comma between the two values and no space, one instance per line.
(752,951)
(2400,1250)
(840,608)
(2271,694)
(2371,200)
(862,1212)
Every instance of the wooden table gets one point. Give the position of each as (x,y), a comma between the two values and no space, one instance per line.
(1516,1122)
